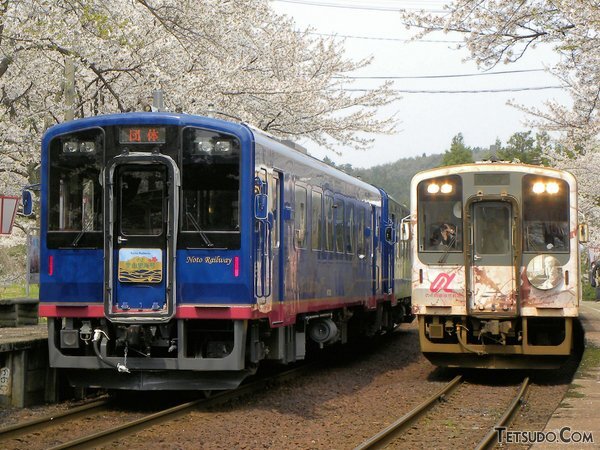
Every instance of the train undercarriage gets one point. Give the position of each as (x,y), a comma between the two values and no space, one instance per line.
(511,343)
(200,354)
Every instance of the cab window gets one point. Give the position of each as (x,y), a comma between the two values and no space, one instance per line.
(440,214)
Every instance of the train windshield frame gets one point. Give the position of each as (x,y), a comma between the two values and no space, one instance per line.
(440,221)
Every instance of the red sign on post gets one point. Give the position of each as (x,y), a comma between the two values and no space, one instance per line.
(8,210)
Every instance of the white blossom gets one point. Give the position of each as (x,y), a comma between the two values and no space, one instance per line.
(501,31)
(232,57)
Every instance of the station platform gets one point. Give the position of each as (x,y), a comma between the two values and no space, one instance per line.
(579,412)
(25,376)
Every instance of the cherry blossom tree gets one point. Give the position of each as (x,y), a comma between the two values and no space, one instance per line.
(502,31)
(62,59)
(232,58)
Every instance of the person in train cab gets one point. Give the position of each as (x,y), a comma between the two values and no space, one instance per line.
(444,237)
(554,235)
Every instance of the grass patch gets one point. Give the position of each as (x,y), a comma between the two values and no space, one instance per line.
(450,424)
(590,358)
(588,293)
(18,290)
(564,405)
(572,393)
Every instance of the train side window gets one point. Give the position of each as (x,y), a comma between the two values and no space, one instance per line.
(317,220)
(350,229)
(300,213)
(545,214)
(339,226)
(328,223)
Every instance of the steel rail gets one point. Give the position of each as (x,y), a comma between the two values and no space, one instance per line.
(165,415)
(30,426)
(488,441)
(389,434)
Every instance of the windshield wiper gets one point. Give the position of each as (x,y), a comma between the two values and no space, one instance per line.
(87,226)
(199,230)
(448,247)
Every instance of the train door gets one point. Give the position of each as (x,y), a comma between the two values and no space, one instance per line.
(389,247)
(141,198)
(288,256)
(267,249)
(492,275)
(375,217)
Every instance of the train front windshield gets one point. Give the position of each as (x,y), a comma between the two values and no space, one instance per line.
(209,163)
(440,214)
(545,214)
(211,186)
(545,217)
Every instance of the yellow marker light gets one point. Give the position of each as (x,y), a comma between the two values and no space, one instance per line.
(552,187)
(446,188)
(539,187)
(433,188)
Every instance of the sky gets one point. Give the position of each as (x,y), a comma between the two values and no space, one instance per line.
(427,121)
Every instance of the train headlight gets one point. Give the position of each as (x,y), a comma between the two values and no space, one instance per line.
(87,147)
(433,188)
(544,272)
(538,188)
(552,187)
(81,147)
(70,147)
(446,188)
(223,146)
(203,145)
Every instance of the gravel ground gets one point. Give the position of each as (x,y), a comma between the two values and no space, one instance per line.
(360,392)
(357,393)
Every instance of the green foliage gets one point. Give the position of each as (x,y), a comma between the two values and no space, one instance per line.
(395,177)
(587,291)
(18,290)
(459,153)
(522,146)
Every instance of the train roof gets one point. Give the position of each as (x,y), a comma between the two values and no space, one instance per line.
(492,166)
(242,130)
(149,118)
(309,160)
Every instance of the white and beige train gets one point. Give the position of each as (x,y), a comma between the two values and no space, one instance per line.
(495,278)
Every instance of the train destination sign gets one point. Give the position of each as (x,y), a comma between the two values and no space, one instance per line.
(142,135)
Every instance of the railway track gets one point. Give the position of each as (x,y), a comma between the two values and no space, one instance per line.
(132,426)
(388,435)
(34,425)
(490,439)
(395,430)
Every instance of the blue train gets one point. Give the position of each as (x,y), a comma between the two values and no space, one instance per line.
(179,251)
